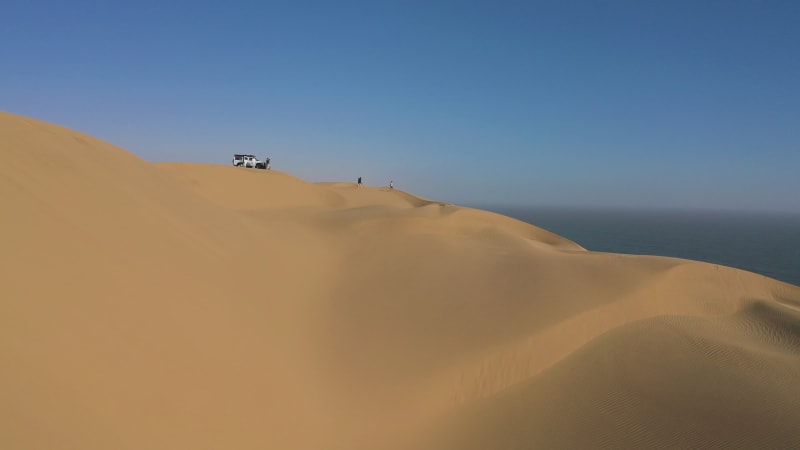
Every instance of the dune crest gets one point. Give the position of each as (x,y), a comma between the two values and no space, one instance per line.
(179,305)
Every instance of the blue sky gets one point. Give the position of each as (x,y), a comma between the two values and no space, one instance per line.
(568,103)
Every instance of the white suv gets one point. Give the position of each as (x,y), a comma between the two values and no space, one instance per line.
(249,161)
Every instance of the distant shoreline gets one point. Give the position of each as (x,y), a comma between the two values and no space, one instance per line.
(767,243)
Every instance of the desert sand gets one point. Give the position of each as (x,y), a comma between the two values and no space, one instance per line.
(198,306)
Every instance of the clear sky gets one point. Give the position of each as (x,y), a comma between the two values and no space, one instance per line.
(688,104)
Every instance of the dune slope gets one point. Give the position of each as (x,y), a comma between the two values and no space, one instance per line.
(665,382)
(181,305)
(133,312)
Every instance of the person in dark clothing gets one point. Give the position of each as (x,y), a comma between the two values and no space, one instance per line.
(359,182)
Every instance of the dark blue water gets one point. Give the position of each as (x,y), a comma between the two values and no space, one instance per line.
(764,243)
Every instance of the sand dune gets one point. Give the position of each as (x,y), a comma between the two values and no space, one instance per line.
(664,382)
(178,305)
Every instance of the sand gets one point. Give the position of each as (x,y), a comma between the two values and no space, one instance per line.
(199,306)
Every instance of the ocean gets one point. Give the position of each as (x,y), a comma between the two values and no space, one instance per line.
(764,243)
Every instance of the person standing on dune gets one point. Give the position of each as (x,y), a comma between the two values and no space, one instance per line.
(391,185)
(359,183)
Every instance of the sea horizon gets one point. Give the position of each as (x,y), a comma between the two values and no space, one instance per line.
(763,242)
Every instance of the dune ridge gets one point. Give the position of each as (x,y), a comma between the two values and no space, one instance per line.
(183,305)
